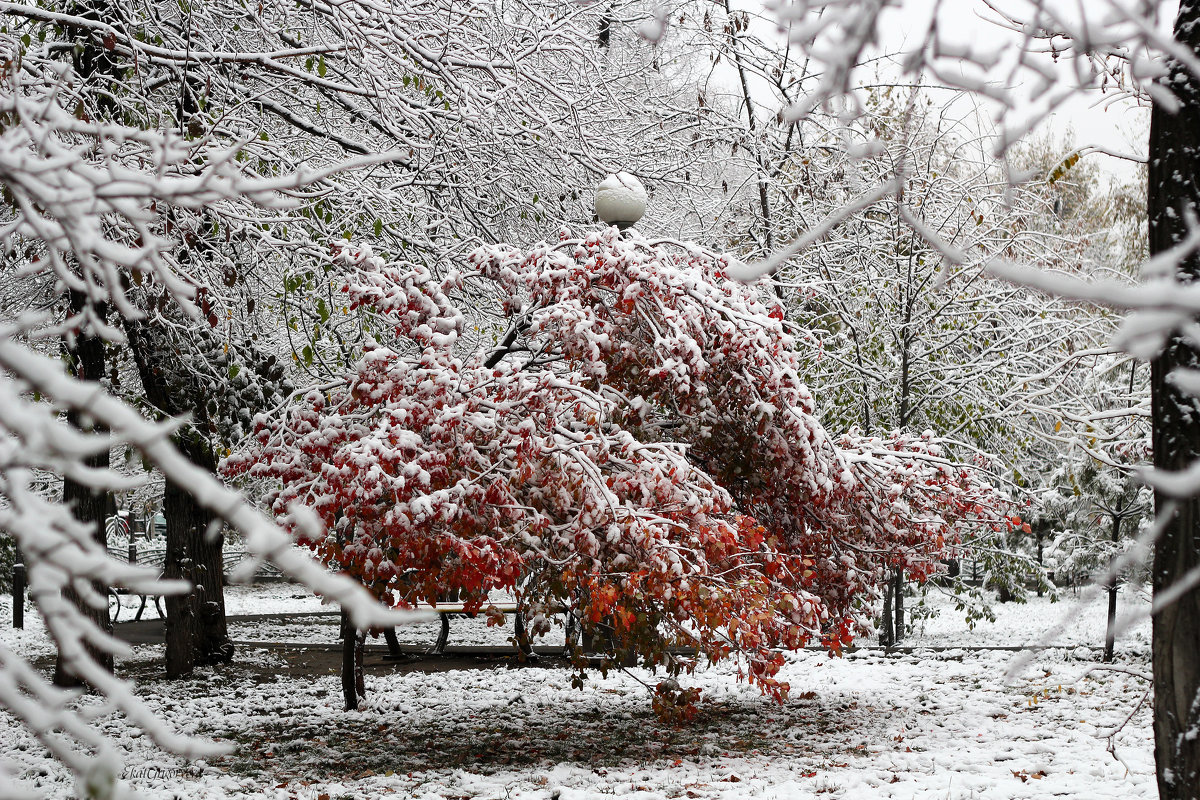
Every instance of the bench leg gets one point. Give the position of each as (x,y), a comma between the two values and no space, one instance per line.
(116,614)
(523,643)
(158,607)
(389,635)
(571,635)
(353,685)
(443,635)
(142,609)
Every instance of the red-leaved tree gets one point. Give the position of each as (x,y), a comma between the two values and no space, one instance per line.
(639,447)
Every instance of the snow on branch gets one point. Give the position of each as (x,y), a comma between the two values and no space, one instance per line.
(648,456)
(88,209)
(96,219)
(747,273)
(60,551)
(1046,54)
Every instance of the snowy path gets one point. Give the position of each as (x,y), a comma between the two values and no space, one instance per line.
(901,726)
(864,726)
(1016,624)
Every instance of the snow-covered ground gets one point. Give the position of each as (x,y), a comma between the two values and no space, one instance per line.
(276,597)
(914,725)
(1072,621)
(1076,618)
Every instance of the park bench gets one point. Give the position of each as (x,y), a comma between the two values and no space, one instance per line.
(150,556)
(133,543)
(117,594)
(447,610)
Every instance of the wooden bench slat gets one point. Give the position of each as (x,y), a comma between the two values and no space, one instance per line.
(461,608)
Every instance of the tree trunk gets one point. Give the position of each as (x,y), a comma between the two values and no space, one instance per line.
(887,636)
(898,594)
(1173,196)
(353,684)
(182,612)
(1039,537)
(764,202)
(1110,632)
(86,360)
(196,628)
(210,640)
(1003,593)
(360,645)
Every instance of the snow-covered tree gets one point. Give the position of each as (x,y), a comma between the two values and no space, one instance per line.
(90,221)
(1101,511)
(638,447)
(905,341)
(1044,53)
(150,155)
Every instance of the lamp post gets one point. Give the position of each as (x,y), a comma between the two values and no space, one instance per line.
(620,200)
(19,579)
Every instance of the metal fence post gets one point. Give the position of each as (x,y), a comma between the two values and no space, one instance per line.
(18,594)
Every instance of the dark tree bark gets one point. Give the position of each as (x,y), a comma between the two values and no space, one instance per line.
(86,360)
(887,635)
(98,66)
(1003,593)
(1110,632)
(1039,537)
(182,611)
(353,644)
(196,628)
(1173,196)
(898,604)
(204,558)
(604,33)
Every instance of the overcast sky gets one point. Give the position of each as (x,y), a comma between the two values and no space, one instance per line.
(1092,118)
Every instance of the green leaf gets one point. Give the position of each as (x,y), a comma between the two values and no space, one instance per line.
(307,354)
(321,69)
(378,227)
(234,369)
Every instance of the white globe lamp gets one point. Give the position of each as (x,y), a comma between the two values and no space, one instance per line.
(620,200)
